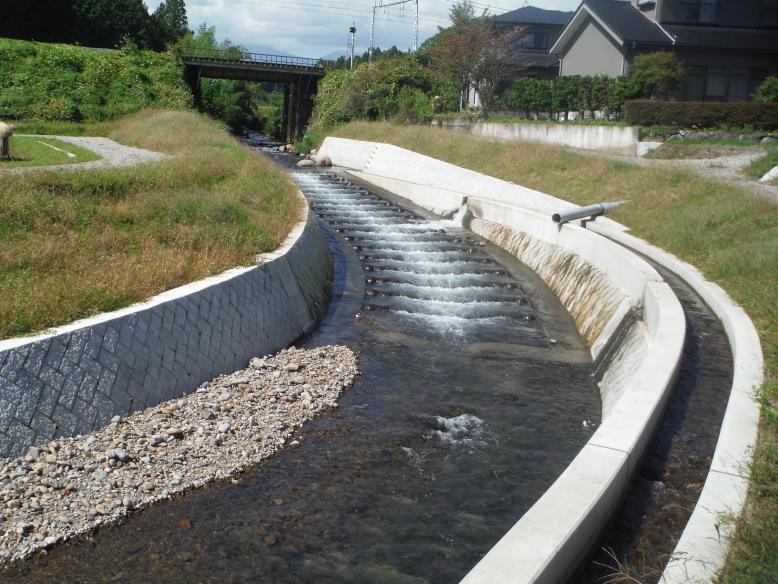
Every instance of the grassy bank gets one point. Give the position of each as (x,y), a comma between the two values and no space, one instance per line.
(729,234)
(758,168)
(75,243)
(35,151)
(64,82)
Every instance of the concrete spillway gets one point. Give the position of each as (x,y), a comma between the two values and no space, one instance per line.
(475,393)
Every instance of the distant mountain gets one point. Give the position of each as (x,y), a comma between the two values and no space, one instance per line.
(333,56)
(265,50)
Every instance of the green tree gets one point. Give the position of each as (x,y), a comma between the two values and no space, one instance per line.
(170,22)
(111,23)
(767,92)
(659,73)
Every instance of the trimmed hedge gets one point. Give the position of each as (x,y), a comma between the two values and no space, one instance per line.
(691,114)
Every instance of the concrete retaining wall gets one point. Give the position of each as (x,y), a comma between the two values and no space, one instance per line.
(72,380)
(617,139)
(602,283)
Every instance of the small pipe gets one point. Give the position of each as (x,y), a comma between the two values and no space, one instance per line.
(591,211)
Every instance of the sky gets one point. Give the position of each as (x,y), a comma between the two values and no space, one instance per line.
(319,28)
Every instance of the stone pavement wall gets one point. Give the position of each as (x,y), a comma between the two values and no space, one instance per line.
(75,379)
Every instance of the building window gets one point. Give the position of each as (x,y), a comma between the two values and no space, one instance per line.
(704,11)
(535,40)
(769,13)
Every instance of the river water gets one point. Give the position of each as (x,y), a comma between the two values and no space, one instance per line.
(475,393)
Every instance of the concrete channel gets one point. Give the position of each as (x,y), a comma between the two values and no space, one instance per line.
(545,368)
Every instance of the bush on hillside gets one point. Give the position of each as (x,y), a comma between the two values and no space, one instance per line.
(767,92)
(68,83)
(691,114)
(414,106)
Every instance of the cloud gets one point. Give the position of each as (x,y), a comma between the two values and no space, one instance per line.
(312,28)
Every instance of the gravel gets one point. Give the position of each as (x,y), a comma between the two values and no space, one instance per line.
(112,154)
(72,485)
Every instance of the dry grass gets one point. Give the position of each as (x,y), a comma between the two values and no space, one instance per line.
(74,244)
(730,234)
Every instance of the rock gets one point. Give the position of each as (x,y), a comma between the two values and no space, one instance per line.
(175,432)
(50,541)
(116,419)
(32,454)
(257,363)
(298,379)
(119,454)
(185,524)
(147,486)
(271,539)
(305,162)
(769,139)
(323,161)
(224,427)
(292,367)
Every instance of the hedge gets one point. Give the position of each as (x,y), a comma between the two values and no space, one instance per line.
(691,114)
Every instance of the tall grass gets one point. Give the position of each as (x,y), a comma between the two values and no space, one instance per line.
(77,243)
(730,234)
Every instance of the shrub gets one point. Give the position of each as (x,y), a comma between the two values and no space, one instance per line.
(690,114)
(767,92)
(659,73)
(68,83)
(414,106)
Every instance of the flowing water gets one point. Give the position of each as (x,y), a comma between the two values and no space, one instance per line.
(475,393)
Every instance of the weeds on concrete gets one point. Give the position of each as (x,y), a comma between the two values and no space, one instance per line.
(76,243)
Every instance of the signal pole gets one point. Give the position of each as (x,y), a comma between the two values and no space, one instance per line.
(353,32)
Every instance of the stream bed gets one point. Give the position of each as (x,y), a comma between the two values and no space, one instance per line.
(475,393)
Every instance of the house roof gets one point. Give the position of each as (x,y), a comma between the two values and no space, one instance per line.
(628,22)
(716,37)
(534,15)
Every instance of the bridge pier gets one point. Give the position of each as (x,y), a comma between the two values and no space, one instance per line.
(193,73)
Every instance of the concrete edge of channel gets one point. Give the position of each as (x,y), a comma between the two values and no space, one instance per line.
(547,542)
(701,551)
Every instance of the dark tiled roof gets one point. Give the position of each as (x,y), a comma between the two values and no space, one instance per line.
(628,22)
(535,15)
(716,37)
(534,59)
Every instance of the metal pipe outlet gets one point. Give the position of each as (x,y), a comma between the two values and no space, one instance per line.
(590,211)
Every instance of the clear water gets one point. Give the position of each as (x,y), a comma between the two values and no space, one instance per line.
(465,412)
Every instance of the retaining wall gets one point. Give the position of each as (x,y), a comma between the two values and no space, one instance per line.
(72,380)
(618,139)
(601,283)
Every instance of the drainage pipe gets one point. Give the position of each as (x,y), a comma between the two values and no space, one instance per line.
(592,211)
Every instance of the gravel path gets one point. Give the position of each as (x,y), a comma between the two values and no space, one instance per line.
(73,485)
(723,168)
(112,154)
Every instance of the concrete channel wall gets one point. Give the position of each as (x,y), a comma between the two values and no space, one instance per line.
(583,268)
(72,380)
(616,139)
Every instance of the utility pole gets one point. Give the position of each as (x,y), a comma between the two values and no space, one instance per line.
(353,32)
(416,27)
(378,5)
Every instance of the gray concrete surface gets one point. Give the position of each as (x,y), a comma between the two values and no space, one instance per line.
(72,380)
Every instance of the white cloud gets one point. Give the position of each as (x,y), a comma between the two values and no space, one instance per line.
(312,28)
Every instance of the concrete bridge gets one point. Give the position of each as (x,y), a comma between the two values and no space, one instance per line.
(300,76)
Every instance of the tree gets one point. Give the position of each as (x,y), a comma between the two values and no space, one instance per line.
(111,23)
(659,73)
(767,92)
(170,21)
(471,52)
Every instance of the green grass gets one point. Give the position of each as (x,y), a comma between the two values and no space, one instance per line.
(758,168)
(76,243)
(731,235)
(40,151)
(60,128)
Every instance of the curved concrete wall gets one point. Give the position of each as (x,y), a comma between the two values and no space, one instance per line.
(701,551)
(72,380)
(603,284)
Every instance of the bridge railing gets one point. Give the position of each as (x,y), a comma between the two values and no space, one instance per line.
(260,58)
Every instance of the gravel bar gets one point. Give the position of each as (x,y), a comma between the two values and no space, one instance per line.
(72,485)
